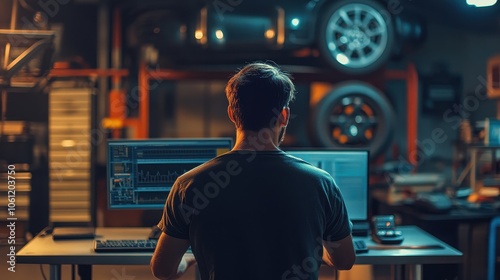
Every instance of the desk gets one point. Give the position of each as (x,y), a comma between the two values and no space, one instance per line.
(463,228)
(409,261)
(44,250)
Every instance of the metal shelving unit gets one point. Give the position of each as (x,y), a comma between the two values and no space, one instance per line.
(70,155)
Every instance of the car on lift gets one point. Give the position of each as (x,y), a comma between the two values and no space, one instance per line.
(354,37)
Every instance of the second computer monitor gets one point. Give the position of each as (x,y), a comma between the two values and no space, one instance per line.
(349,169)
(141,172)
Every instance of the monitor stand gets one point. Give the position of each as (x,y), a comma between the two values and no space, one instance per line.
(154,233)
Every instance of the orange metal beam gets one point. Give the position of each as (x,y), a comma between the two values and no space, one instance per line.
(116,64)
(117,43)
(167,74)
(116,108)
(88,72)
(143,127)
(131,122)
(412,113)
(410,75)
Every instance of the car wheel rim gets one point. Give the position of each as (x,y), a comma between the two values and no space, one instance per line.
(353,114)
(352,122)
(356,35)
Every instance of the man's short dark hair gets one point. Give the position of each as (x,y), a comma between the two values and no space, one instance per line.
(257,94)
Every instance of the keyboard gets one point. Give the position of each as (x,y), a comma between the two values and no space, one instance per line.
(360,246)
(149,245)
(118,246)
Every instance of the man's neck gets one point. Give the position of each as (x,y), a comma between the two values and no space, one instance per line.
(262,140)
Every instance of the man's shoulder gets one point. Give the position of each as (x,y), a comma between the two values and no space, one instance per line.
(206,167)
(234,161)
(307,167)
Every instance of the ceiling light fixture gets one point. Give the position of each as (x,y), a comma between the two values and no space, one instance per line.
(481,3)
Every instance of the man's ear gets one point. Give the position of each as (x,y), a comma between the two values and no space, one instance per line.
(230,114)
(284,116)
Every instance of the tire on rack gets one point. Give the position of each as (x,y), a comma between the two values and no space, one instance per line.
(356,37)
(353,115)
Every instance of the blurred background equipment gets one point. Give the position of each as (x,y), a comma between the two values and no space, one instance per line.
(26,57)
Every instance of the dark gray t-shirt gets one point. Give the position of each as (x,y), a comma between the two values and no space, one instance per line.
(256,215)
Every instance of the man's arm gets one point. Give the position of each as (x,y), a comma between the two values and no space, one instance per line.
(339,254)
(166,261)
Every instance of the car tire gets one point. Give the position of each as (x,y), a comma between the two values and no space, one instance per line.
(356,37)
(353,115)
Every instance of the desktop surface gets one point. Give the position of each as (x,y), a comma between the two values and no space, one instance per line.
(418,247)
(45,250)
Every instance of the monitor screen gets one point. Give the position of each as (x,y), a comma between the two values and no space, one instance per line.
(140,173)
(349,169)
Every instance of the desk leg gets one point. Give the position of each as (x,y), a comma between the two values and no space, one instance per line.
(464,241)
(55,272)
(396,272)
(85,271)
(414,272)
(410,272)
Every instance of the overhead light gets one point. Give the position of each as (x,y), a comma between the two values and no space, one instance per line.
(198,34)
(481,3)
(295,22)
(269,34)
(219,34)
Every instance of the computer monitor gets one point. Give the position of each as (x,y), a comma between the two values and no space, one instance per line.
(140,173)
(349,169)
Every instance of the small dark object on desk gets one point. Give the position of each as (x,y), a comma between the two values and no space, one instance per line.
(433,202)
(63,233)
(360,246)
(384,230)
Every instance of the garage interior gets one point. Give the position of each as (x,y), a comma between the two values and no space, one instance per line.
(416,83)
